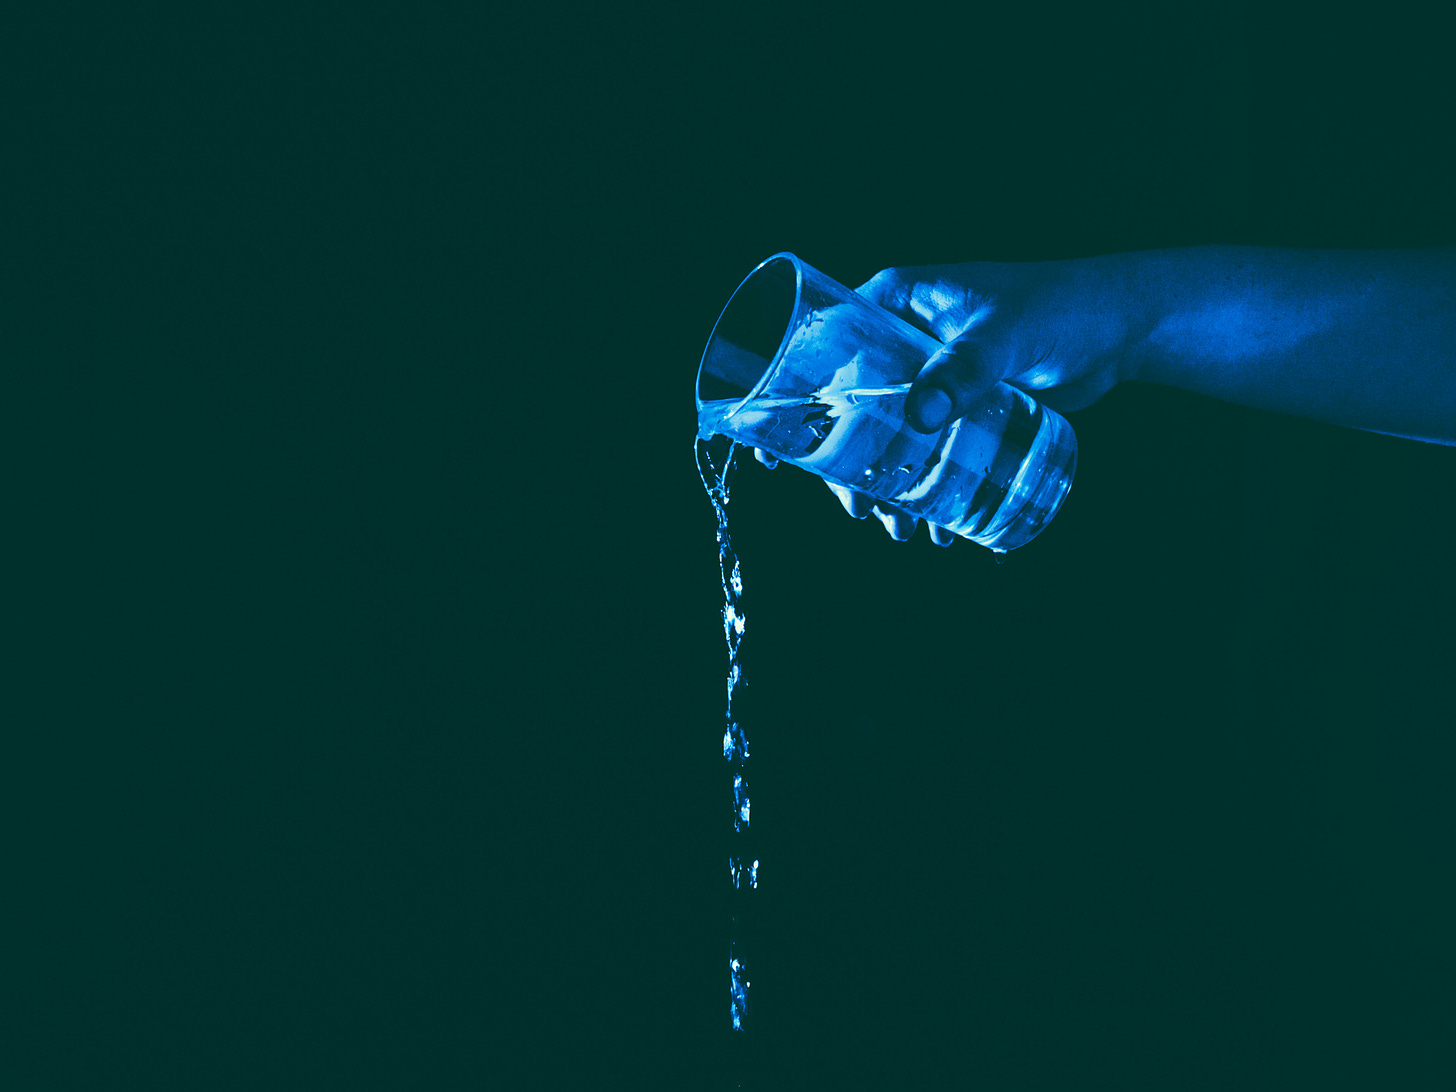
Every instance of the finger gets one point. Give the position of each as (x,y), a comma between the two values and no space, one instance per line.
(860,505)
(1070,397)
(856,504)
(940,536)
(890,289)
(936,299)
(764,457)
(958,375)
(900,525)
(953,380)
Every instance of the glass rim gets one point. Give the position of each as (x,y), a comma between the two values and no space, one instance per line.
(798,264)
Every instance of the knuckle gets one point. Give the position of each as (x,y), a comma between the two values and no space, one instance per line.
(888,286)
(968,360)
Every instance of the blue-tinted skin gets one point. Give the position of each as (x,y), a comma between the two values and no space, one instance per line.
(1360,338)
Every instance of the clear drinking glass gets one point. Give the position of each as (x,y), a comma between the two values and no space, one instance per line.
(816,374)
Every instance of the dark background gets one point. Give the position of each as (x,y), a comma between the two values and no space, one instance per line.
(368,686)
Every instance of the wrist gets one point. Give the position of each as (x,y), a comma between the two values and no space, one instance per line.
(1127,296)
(1167,293)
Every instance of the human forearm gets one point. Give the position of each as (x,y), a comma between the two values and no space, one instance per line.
(1365,339)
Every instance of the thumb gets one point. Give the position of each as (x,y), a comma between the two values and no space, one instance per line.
(956,378)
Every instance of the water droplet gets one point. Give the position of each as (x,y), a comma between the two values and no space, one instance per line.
(735,745)
(1000,556)
(738,988)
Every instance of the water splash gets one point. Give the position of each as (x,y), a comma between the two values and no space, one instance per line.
(739,988)
(716,458)
(740,804)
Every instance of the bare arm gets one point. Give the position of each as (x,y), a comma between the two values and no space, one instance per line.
(1362,338)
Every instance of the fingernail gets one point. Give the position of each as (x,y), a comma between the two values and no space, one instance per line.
(929,409)
(846,499)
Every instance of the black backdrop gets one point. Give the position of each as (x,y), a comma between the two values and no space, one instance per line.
(370,686)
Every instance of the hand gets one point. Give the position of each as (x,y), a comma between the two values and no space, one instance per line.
(1060,331)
